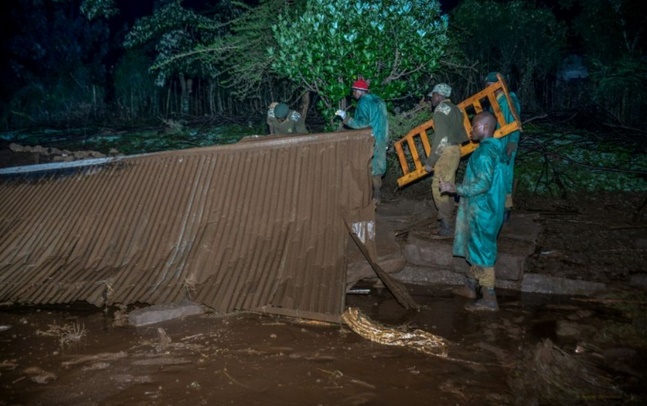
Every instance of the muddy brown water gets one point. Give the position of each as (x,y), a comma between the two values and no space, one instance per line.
(255,359)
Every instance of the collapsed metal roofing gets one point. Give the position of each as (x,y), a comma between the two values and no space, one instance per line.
(257,225)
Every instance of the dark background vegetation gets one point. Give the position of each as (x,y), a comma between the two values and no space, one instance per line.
(60,68)
(67,65)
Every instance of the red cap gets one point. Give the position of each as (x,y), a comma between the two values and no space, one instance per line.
(361,84)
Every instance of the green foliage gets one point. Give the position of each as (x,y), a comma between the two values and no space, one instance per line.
(516,38)
(231,45)
(399,125)
(56,55)
(27,103)
(615,87)
(395,44)
(612,33)
(178,34)
(626,74)
(610,29)
(242,54)
(154,141)
(558,164)
(133,142)
(631,327)
(135,88)
(98,8)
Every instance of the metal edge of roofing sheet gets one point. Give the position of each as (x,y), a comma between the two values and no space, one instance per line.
(53,166)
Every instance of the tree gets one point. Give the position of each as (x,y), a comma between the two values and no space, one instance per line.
(228,42)
(613,36)
(395,44)
(93,9)
(242,54)
(179,35)
(517,38)
(135,90)
(56,57)
(610,29)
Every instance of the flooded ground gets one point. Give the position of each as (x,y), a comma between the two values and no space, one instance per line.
(538,349)
(252,359)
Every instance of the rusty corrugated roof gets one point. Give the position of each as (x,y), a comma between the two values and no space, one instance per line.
(252,226)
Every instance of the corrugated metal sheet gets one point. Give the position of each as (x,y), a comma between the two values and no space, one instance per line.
(252,226)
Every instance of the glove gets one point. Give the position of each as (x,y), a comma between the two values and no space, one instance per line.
(446,187)
(270,110)
(341,113)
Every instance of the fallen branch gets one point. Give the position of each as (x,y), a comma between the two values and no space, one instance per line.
(611,301)
(396,288)
(534,118)
(637,226)
(413,226)
(105,356)
(543,212)
(231,378)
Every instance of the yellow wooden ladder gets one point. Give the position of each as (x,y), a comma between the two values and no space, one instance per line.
(407,148)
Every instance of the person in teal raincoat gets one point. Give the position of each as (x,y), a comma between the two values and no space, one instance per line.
(370,112)
(511,141)
(480,212)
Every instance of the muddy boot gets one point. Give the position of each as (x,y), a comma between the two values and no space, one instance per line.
(446,228)
(468,290)
(487,303)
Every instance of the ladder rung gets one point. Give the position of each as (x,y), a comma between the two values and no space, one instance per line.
(415,170)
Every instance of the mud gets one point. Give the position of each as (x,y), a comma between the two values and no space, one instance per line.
(262,360)
(527,353)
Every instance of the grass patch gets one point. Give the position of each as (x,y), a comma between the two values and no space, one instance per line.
(630,328)
(67,334)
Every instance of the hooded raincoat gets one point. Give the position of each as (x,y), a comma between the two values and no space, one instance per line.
(510,138)
(482,205)
(371,112)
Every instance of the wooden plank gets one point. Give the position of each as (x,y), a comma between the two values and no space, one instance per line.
(396,288)
(403,160)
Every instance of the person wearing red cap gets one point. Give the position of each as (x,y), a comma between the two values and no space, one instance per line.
(370,112)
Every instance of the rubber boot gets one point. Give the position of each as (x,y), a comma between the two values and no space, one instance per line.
(468,290)
(487,303)
(446,228)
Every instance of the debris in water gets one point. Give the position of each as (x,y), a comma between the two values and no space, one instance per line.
(549,375)
(419,340)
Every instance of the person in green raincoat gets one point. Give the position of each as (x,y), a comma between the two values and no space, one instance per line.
(480,212)
(511,141)
(370,112)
